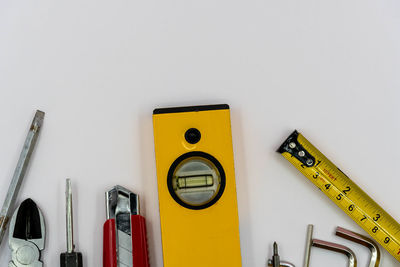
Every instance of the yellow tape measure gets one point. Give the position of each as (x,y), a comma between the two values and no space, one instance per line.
(343,192)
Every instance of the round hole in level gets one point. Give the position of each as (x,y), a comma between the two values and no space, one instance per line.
(192,136)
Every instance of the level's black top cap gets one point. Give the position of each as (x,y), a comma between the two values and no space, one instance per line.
(190,108)
(292,137)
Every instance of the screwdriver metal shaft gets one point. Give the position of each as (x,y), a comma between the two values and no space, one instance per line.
(69,216)
(276,262)
(70,258)
(19,173)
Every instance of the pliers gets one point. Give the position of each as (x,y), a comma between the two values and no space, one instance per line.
(27,235)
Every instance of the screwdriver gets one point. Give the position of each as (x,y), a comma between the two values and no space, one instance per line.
(70,258)
(19,173)
(276,262)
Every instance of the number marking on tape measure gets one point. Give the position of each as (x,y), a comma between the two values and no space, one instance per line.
(343,192)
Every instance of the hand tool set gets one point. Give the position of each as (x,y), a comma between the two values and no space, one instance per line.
(197,199)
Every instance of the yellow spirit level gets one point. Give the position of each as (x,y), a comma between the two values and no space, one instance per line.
(196,186)
(343,192)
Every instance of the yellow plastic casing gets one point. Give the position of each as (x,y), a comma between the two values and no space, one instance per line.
(197,238)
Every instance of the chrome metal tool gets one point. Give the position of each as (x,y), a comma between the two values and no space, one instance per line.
(283,263)
(19,172)
(27,235)
(311,242)
(276,261)
(362,240)
(71,258)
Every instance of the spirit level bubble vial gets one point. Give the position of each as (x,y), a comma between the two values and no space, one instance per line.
(196,186)
(343,192)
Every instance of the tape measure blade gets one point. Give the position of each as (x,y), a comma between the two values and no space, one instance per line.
(347,195)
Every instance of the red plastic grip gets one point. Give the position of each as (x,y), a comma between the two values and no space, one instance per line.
(109,244)
(139,242)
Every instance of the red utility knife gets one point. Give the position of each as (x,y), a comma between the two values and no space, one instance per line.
(124,240)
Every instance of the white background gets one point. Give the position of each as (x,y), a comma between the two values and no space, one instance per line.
(98,68)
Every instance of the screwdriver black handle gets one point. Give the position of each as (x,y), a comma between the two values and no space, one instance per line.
(73,259)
